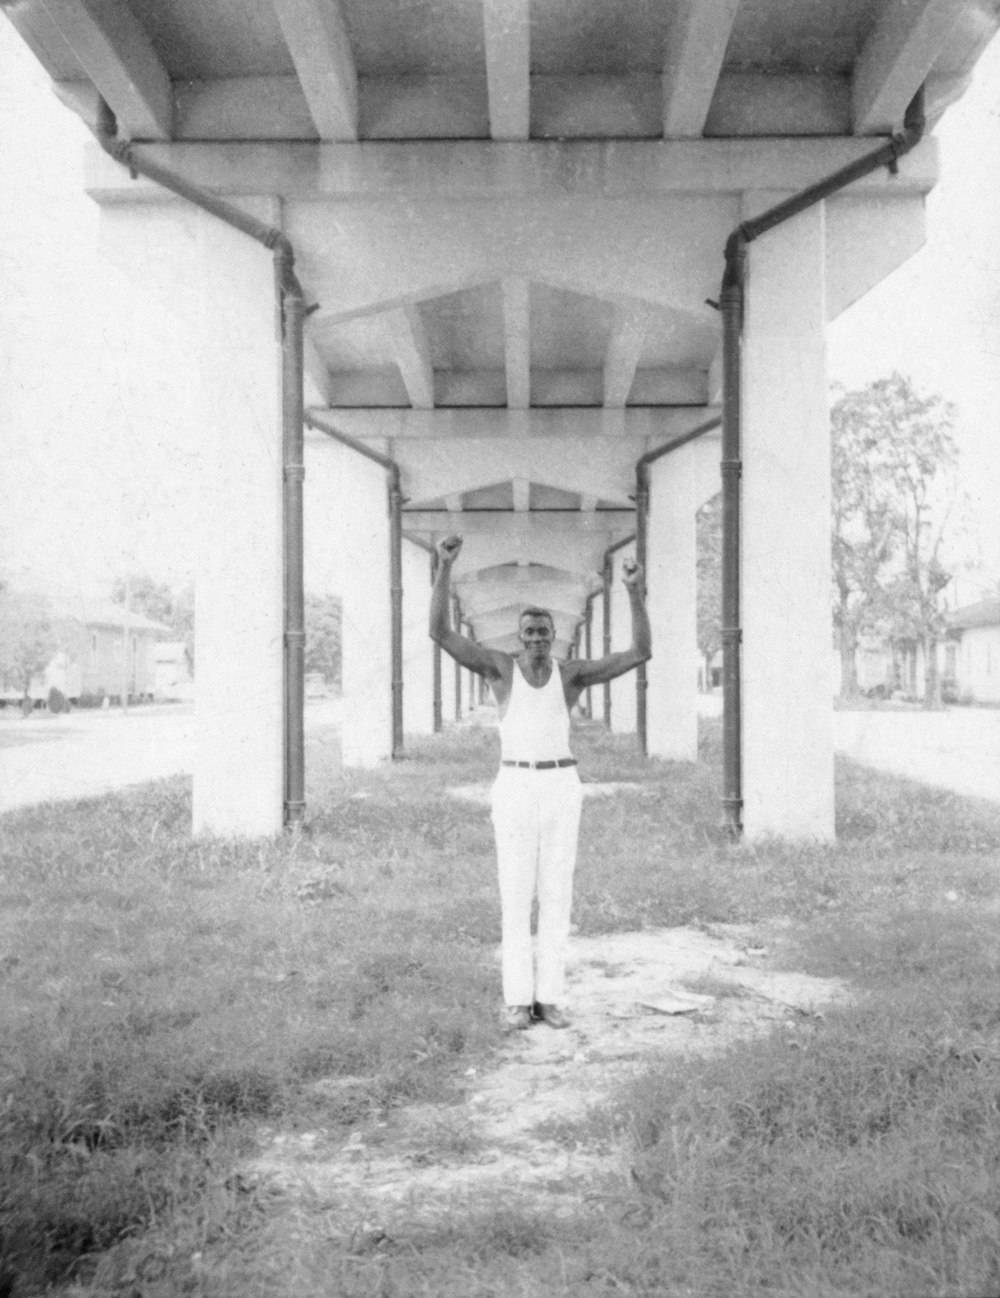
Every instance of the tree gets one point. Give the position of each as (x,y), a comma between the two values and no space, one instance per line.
(323,624)
(27,639)
(709,568)
(893,453)
(156,600)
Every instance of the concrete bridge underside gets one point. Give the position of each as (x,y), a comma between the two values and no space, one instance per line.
(509,222)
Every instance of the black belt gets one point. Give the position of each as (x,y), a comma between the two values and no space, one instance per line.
(543,766)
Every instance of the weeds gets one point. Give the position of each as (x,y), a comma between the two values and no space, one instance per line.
(161,998)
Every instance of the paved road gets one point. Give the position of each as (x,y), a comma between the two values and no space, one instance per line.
(87,753)
(52,758)
(957,749)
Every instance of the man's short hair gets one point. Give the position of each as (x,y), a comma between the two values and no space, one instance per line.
(534,611)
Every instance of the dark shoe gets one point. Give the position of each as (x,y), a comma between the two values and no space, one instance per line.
(516,1017)
(550,1014)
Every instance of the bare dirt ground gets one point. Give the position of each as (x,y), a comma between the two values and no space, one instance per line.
(633,996)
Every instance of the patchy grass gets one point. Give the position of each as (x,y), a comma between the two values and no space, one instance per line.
(161,999)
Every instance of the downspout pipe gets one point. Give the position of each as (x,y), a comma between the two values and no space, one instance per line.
(642,478)
(291,314)
(731,303)
(395,564)
(606,566)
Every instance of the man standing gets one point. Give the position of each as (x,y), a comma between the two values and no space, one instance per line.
(536,798)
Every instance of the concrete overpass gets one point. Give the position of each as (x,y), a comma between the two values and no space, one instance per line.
(508,223)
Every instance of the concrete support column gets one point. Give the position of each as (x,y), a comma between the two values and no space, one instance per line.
(623,708)
(671,699)
(418,647)
(239,746)
(360,515)
(785,597)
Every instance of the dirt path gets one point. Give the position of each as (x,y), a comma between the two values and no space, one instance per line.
(632,996)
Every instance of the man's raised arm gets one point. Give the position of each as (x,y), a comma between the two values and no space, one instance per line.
(462,649)
(598,670)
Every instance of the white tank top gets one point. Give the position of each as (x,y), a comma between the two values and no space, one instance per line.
(535,727)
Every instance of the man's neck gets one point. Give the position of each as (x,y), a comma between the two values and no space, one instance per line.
(536,670)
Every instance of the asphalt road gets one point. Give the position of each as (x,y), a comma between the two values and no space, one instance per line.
(83,754)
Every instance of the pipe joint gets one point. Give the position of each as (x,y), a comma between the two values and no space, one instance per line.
(295,472)
(732,468)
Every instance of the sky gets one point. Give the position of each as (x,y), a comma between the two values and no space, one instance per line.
(80,504)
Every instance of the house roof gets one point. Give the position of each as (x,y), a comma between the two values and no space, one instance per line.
(985,613)
(104,612)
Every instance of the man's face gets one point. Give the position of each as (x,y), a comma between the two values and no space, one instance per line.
(536,635)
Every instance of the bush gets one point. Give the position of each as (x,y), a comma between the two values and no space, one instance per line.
(58,701)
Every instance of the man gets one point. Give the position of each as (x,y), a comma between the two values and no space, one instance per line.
(536,798)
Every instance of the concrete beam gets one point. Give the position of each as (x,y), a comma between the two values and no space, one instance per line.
(432,469)
(408,340)
(40,32)
(318,388)
(895,61)
(695,48)
(323,320)
(507,31)
(112,47)
(627,432)
(463,170)
(628,332)
(517,341)
(317,40)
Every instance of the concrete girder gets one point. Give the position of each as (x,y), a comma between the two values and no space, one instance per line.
(628,332)
(113,49)
(574,542)
(637,429)
(507,32)
(896,60)
(318,388)
(408,341)
(574,108)
(433,469)
(516,342)
(317,40)
(462,170)
(568,594)
(695,48)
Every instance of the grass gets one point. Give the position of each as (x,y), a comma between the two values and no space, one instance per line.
(162,1000)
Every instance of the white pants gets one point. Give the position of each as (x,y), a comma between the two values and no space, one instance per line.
(536,819)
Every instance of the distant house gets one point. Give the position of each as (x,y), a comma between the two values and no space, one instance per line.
(173,679)
(972,661)
(102,650)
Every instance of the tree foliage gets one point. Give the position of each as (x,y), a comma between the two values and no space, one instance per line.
(323,630)
(156,600)
(27,638)
(893,453)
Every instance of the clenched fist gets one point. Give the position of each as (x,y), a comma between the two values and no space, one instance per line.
(448,548)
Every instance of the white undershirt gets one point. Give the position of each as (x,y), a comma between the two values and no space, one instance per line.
(535,727)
